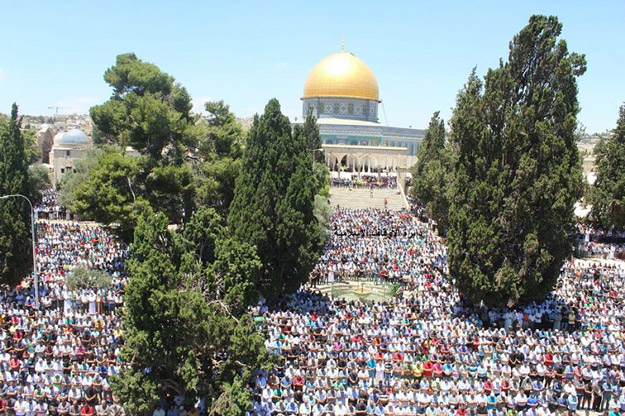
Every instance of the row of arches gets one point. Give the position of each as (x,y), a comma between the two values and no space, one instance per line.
(364,163)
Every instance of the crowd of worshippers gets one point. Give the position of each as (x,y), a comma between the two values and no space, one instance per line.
(49,208)
(368,181)
(595,242)
(428,351)
(378,245)
(58,359)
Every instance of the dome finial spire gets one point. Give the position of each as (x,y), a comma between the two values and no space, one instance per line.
(342,43)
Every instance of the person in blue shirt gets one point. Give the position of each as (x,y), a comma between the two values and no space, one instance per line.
(572,402)
(608,389)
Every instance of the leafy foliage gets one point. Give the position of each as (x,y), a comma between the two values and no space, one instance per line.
(38,180)
(109,191)
(518,175)
(607,196)
(185,161)
(273,206)
(88,278)
(16,259)
(433,173)
(181,325)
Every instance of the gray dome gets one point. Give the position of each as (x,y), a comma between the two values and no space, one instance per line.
(74,136)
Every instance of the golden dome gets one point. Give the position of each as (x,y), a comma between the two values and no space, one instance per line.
(341,74)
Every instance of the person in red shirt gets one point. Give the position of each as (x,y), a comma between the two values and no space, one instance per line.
(488,387)
(86,409)
(427,368)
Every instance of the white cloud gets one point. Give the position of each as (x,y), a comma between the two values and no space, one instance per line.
(75,105)
(281,65)
(198,103)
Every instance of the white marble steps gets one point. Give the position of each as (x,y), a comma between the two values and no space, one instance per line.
(362,198)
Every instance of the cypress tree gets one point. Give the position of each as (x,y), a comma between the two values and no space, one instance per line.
(432,173)
(16,260)
(518,174)
(608,192)
(274,200)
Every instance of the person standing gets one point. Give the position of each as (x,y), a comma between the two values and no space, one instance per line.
(596,397)
(608,388)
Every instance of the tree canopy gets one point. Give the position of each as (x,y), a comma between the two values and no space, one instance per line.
(16,257)
(518,174)
(433,172)
(607,195)
(183,328)
(274,199)
(185,161)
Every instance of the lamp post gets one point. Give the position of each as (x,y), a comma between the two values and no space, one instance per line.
(32,231)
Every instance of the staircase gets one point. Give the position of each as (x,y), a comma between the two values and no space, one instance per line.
(361,198)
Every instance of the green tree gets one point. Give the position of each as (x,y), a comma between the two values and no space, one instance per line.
(16,261)
(433,173)
(80,278)
(181,335)
(219,152)
(607,195)
(80,174)
(517,175)
(273,206)
(215,183)
(225,134)
(38,180)
(185,162)
(110,193)
(148,110)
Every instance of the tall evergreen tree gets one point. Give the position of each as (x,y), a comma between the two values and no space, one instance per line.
(433,172)
(184,330)
(16,258)
(607,196)
(273,206)
(518,174)
(432,144)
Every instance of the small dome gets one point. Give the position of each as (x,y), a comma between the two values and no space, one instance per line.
(74,136)
(341,74)
(58,137)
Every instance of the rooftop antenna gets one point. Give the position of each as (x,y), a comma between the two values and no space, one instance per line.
(56,111)
(342,43)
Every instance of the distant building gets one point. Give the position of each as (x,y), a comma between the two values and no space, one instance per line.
(342,92)
(67,148)
(45,141)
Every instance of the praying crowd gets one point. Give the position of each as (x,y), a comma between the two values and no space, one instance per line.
(593,242)
(366,181)
(49,208)
(427,351)
(58,360)
(376,245)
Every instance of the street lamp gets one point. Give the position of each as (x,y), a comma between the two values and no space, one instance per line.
(32,231)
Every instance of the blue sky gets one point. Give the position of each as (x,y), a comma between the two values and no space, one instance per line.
(54,53)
